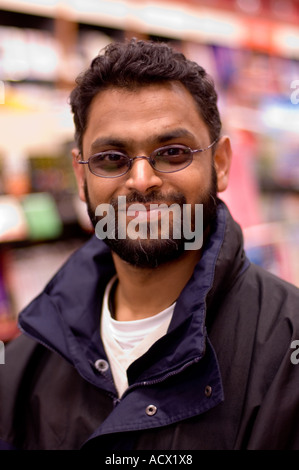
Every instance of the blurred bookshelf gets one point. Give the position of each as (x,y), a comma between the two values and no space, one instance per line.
(251,49)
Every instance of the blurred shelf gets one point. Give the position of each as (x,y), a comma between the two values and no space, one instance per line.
(225,24)
(39,217)
(270,186)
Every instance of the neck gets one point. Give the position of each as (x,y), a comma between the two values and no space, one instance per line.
(142,293)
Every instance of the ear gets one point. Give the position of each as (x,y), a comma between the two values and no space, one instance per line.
(79,171)
(222,161)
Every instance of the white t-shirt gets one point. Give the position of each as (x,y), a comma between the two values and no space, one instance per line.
(125,341)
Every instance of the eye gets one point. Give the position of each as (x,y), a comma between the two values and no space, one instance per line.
(112,157)
(109,157)
(172,155)
(109,161)
(173,151)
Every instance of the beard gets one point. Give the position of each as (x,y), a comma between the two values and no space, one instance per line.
(148,252)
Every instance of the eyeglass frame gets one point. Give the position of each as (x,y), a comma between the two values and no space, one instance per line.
(149,159)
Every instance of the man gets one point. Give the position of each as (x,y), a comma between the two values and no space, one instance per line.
(145,340)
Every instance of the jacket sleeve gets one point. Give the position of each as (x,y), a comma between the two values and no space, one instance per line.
(19,358)
(6,446)
(271,410)
(276,425)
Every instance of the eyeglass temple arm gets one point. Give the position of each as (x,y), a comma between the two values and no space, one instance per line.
(206,148)
(80,161)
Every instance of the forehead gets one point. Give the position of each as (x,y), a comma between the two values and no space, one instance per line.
(140,112)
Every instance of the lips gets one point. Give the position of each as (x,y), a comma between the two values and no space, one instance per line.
(147,212)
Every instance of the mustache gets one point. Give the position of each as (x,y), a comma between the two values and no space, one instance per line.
(154,197)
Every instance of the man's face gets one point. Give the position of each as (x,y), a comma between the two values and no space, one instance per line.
(138,122)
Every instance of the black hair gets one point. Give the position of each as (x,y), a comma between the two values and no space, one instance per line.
(136,63)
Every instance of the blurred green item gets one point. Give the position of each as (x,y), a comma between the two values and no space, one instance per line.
(42,216)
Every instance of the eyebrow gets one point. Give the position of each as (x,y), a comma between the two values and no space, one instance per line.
(112,141)
(173,134)
(107,141)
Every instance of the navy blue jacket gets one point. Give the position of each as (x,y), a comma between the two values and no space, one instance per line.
(221,378)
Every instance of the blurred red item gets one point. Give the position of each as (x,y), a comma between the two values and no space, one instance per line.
(242,194)
(8,329)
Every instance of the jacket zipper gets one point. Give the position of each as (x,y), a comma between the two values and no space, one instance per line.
(161,379)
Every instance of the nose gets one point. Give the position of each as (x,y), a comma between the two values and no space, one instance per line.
(142,177)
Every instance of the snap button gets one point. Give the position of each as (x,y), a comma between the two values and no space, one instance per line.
(101,365)
(151,410)
(208,391)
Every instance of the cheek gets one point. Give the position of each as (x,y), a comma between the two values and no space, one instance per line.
(101,190)
(196,183)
